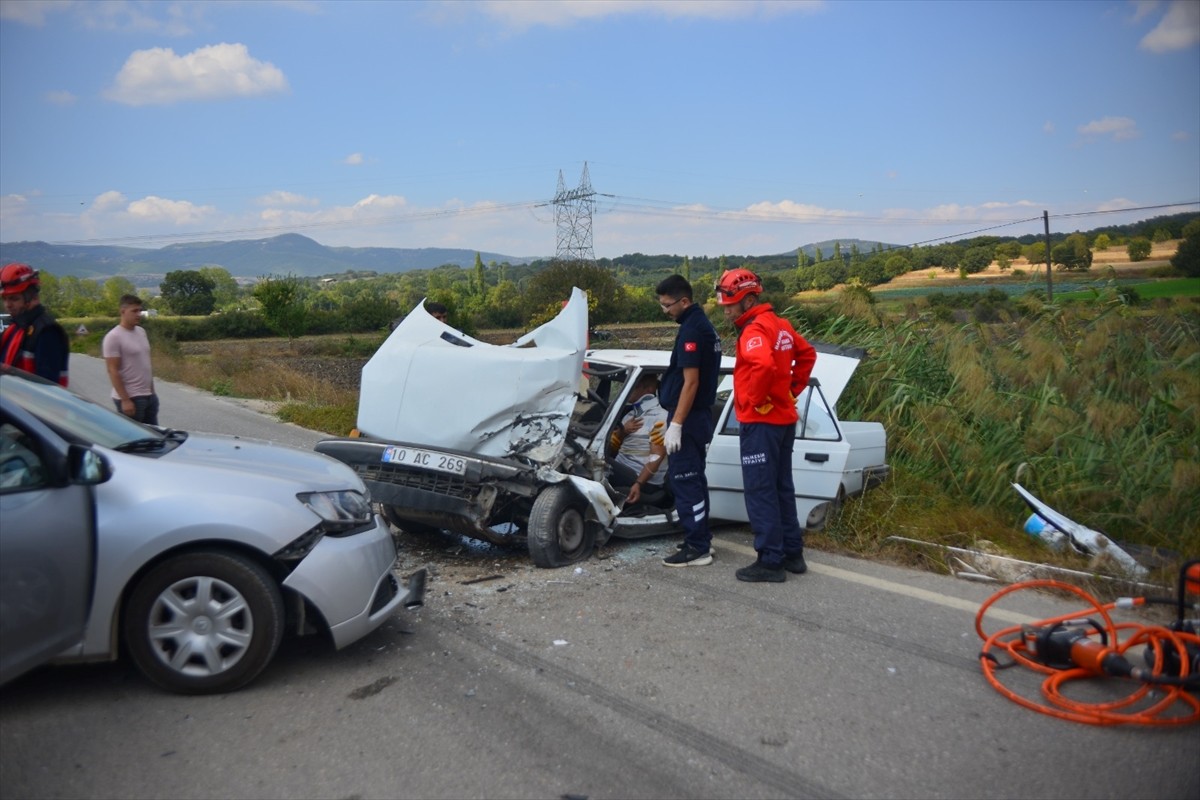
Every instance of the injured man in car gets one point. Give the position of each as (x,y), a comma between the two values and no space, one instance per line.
(636,454)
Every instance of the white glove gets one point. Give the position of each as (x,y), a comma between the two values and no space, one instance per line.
(674,438)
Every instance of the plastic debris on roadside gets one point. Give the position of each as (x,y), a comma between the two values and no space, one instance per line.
(1103,550)
(1045,533)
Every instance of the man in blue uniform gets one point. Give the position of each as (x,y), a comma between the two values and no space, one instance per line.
(688,392)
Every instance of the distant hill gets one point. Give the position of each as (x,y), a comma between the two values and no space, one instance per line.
(249,258)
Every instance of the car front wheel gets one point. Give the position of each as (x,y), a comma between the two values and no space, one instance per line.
(203,623)
(558,535)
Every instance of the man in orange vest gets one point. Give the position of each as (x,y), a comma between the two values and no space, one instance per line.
(34,342)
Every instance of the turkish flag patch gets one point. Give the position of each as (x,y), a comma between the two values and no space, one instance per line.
(689,347)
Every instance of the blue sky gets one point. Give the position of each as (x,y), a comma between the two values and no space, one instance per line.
(708,128)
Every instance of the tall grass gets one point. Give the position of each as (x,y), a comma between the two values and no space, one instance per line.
(1093,408)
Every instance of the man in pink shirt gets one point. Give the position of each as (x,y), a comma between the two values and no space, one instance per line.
(126,352)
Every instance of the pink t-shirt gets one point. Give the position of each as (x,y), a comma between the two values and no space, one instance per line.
(133,348)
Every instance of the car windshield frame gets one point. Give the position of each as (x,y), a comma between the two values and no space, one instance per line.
(72,416)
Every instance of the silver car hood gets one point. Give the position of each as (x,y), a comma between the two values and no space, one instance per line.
(260,459)
(429,384)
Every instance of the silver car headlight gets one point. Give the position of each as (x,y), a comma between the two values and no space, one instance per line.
(342,513)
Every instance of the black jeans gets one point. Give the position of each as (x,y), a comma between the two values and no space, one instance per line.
(145,408)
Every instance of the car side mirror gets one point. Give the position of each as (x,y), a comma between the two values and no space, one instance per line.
(88,467)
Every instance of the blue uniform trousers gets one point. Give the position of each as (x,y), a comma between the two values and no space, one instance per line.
(770,490)
(688,482)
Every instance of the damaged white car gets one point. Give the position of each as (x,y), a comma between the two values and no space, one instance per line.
(507,443)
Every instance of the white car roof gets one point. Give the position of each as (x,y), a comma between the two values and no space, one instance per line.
(833,370)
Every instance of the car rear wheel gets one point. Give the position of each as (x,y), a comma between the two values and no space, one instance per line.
(203,623)
(823,514)
(558,535)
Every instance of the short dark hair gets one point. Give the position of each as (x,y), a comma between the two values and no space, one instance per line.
(674,286)
(434,307)
(130,300)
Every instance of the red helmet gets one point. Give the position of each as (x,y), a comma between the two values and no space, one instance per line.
(736,284)
(16,278)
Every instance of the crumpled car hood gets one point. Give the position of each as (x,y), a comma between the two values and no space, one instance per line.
(429,384)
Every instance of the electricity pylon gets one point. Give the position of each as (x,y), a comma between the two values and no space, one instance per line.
(573,220)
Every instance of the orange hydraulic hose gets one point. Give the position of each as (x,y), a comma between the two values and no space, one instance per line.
(1148,703)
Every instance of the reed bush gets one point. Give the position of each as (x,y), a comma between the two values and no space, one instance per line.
(1093,408)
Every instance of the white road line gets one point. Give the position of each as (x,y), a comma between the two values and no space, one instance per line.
(891,586)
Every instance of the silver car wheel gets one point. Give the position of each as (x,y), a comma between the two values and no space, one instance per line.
(204,622)
(200,626)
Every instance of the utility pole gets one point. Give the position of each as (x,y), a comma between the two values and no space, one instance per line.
(1049,280)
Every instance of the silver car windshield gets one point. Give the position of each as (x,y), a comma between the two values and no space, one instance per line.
(74,417)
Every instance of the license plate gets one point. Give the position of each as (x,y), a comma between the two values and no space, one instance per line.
(416,457)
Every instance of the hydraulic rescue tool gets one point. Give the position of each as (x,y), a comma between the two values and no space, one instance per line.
(1165,680)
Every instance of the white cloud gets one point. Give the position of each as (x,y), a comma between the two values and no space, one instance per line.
(520,14)
(175,212)
(385,202)
(1143,8)
(365,211)
(1179,28)
(1048,127)
(282,198)
(159,77)
(797,211)
(1116,204)
(109,201)
(60,98)
(353,160)
(30,12)
(1180,136)
(1120,128)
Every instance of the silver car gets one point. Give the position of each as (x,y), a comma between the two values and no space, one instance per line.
(196,551)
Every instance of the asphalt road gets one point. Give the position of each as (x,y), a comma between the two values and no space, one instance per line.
(619,679)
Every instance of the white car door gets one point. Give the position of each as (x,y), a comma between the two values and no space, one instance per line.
(820,455)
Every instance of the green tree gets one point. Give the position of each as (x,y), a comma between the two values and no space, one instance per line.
(225,287)
(112,290)
(1102,242)
(1187,257)
(188,293)
(283,307)
(1035,253)
(1072,253)
(480,287)
(550,287)
(896,265)
(1012,249)
(1162,235)
(976,259)
(1139,249)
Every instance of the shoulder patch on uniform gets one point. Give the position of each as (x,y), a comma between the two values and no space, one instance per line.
(753,343)
(689,347)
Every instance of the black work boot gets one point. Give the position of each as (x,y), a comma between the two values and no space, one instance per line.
(758,572)
(794,563)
